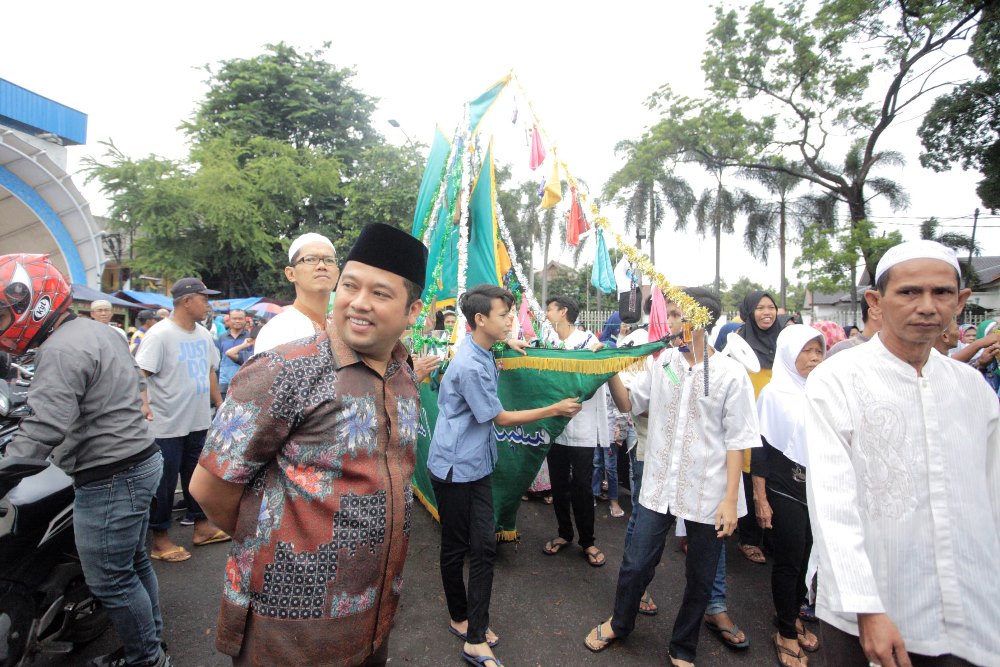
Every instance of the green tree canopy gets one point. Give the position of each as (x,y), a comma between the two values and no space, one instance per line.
(964,126)
(784,79)
(281,145)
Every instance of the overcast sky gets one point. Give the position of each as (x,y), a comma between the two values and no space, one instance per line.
(588,68)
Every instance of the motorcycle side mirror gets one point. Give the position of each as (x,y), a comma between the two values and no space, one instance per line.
(15,468)
(4,364)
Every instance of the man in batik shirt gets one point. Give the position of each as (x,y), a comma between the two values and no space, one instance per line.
(308,467)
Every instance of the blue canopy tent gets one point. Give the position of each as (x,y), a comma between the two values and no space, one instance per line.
(147,299)
(225,305)
(88,294)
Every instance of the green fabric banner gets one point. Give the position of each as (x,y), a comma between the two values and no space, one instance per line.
(541,378)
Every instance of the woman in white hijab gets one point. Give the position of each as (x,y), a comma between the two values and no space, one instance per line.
(779,484)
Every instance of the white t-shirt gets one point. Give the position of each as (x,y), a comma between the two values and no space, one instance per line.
(589,428)
(288,325)
(179,363)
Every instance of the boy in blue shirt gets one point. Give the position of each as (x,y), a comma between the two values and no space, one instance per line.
(460,462)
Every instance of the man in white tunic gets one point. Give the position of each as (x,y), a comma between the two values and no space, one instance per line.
(694,456)
(904,482)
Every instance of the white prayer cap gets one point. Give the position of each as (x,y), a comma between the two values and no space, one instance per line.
(916,250)
(100,303)
(310,237)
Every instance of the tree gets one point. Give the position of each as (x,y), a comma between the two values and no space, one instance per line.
(767,222)
(803,78)
(964,125)
(733,297)
(641,187)
(957,241)
(280,145)
(716,210)
(828,256)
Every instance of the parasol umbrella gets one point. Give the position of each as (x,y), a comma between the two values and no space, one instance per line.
(262,308)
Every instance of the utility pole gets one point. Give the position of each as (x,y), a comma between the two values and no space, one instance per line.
(972,245)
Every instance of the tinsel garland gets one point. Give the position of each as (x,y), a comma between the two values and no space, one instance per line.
(463,225)
(697,315)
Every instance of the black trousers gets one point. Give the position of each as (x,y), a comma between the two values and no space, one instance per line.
(571,470)
(466,511)
(750,531)
(792,538)
(842,649)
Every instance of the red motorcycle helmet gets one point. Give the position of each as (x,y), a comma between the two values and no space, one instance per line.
(33,294)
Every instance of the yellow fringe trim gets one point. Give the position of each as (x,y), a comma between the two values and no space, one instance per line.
(584,366)
(508,536)
(426,503)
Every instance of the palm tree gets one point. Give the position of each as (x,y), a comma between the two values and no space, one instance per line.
(643,186)
(957,241)
(770,219)
(716,210)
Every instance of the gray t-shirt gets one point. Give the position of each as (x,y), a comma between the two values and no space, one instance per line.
(179,363)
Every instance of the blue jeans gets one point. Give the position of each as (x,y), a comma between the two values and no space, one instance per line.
(180,456)
(639,564)
(110,519)
(606,461)
(637,467)
(717,603)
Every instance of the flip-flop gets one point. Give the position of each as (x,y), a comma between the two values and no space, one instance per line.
(481,659)
(463,637)
(219,536)
(809,648)
(619,514)
(779,649)
(592,557)
(599,637)
(647,599)
(175,555)
(552,547)
(732,631)
(753,554)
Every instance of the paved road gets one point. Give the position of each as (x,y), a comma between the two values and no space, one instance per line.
(542,607)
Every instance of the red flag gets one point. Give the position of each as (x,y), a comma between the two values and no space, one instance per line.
(657,317)
(577,223)
(537,150)
(527,331)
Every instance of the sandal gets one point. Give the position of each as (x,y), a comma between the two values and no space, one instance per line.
(595,558)
(732,631)
(552,547)
(651,607)
(596,641)
(753,554)
(175,555)
(617,513)
(780,651)
(547,500)
(811,648)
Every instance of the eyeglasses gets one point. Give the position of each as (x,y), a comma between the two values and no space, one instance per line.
(313,260)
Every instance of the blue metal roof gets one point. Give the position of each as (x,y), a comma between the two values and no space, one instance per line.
(149,298)
(30,112)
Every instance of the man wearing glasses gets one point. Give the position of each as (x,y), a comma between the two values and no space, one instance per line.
(312,268)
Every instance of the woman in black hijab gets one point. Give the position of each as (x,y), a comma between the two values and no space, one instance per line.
(760,329)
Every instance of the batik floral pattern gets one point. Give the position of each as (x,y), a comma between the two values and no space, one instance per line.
(356,429)
(233,426)
(348,605)
(409,422)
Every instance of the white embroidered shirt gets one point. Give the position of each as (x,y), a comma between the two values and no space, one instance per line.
(690,433)
(904,499)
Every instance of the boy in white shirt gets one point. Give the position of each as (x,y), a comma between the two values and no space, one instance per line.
(693,460)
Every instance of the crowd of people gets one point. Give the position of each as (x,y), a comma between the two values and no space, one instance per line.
(865,464)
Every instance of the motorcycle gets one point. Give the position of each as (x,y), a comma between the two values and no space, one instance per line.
(45,604)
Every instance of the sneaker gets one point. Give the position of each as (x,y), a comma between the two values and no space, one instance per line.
(186,521)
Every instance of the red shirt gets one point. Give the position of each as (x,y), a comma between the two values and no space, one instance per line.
(326,447)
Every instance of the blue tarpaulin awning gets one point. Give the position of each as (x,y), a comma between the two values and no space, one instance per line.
(147,298)
(84,293)
(225,305)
